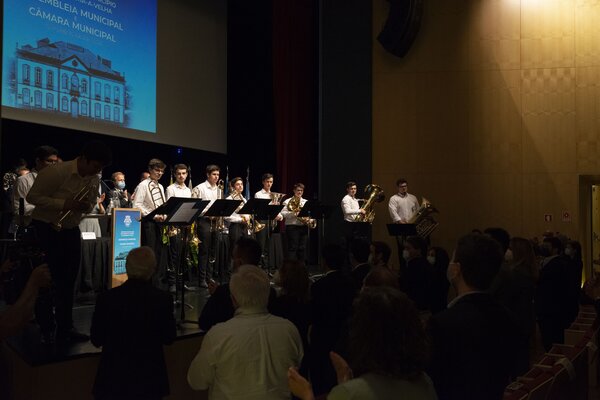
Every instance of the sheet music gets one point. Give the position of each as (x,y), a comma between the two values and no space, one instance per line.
(184,213)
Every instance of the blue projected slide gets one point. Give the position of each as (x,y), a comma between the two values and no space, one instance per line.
(82,60)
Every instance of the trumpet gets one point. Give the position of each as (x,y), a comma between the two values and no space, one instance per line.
(81,195)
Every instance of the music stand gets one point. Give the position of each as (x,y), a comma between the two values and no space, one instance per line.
(181,212)
(221,208)
(269,213)
(401,232)
(313,209)
(254,207)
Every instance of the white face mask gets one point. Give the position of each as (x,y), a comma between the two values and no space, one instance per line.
(508,256)
(405,254)
(431,259)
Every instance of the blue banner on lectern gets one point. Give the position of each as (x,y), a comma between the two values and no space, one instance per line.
(127,235)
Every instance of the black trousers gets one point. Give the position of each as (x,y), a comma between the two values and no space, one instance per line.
(236,231)
(296,241)
(63,255)
(205,268)
(152,237)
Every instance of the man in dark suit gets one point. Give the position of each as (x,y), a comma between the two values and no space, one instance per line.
(474,340)
(331,306)
(132,323)
(552,294)
(359,257)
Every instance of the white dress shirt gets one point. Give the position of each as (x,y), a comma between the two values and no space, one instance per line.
(205,191)
(247,357)
(142,198)
(176,190)
(290,217)
(21,189)
(235,217)
(55,184)
(350,208)
(403,208)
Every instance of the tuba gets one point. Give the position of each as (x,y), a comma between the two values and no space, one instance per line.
(423,219)
(373,194)
(295,207)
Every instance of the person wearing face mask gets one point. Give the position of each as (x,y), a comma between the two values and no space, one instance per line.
(473,340)
(118,195)
(553,294)
(438,258)
(416,276)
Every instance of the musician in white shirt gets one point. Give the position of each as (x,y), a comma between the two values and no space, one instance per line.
(265,193)
(296,231)
(149,195)
(350,206)
(179,189)
(207,190)
(238,224)
(403,205)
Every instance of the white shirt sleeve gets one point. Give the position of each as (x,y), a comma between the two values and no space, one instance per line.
(393,209)
(201,373)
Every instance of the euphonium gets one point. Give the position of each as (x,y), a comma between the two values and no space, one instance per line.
(81,195)
(423,219)
(294,206)
(373,194)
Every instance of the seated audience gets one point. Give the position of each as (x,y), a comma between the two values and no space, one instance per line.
(219,307)
(247,357)
(438,258)
(331,305)
(388,352)
(473,340)
(132,322)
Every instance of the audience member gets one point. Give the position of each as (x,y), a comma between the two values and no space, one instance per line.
(473,341)
(388,352)
(416,277)
(380,276)
(247,357)
(514,288)
(380,254)
(219,307)
(575,263)
(438,258)
(131,323)
(552,295)
(359,261)
(331,305)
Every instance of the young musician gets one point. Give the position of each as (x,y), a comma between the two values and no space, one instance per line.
(265,193)
(179,189)
(61,194)
(351,210)
(295,229)
(149,195)
(238,224)
(207,190)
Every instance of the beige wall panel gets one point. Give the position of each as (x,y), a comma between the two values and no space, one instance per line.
(495,122)
(548,144)
(587,96)
(587,33)
(549,194)
(547,33)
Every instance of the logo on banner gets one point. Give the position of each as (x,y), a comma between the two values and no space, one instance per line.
(127,220)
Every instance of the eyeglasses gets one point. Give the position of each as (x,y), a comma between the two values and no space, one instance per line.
(159,171)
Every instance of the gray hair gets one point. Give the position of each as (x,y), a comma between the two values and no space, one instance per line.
(140,263)
(250,287)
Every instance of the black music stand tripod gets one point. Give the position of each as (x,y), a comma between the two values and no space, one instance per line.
(313,209)
(269,213)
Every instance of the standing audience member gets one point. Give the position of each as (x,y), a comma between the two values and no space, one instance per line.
(415,278)
(132,322)
(380,254)
(380,276)
(359,261)
(553,294)
(438,258)
(473,341)
(388,352)
(573,254)
(292,303)
(331,305)
(514,288)
(247,357)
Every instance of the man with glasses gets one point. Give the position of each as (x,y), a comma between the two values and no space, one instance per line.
(403,205)
(44,157)
(149,195)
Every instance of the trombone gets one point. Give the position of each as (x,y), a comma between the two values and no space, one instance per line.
(81,195)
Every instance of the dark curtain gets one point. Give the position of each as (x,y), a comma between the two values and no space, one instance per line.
(295,83)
